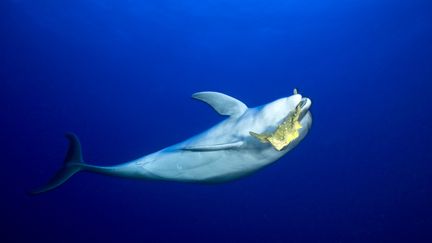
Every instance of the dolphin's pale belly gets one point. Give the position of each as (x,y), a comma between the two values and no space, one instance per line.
(207,166)
(176,164)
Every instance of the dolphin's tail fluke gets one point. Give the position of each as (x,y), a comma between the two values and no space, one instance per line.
(72,164)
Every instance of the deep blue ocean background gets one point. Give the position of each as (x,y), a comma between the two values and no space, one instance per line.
(120,75)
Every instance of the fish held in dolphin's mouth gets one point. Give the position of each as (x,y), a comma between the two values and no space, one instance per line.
(286,132)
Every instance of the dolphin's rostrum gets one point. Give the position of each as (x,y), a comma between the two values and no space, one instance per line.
(249,139)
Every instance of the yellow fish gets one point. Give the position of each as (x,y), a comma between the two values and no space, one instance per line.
(285,133)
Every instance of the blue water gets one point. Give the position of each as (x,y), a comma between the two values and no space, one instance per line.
(120,75)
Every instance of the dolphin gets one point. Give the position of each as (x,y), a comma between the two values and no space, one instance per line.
(246,141)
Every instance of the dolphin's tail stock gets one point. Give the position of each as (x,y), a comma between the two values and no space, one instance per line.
(72,164)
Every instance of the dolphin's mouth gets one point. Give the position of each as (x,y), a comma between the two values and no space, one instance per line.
(303,102)
(288,130)
(303,105)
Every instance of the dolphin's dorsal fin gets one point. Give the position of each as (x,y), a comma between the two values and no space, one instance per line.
(222,103)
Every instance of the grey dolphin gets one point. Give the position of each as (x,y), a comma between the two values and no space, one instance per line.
(247,140)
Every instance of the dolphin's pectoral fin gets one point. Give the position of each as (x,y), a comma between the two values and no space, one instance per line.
(213,147)
(222,103)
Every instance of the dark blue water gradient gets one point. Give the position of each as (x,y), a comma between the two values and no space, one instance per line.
(120,74)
